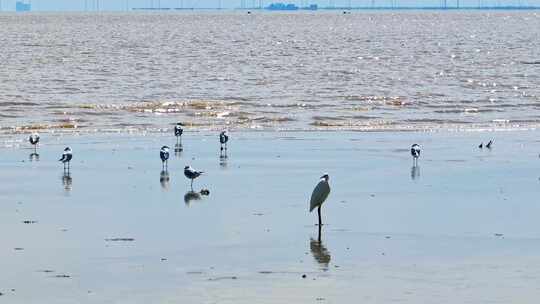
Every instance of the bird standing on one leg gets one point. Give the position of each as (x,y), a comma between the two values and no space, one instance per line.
(191,174)
(164,155)
(223,139)
(34,140)
(319,195)
(66,157)
(415,152)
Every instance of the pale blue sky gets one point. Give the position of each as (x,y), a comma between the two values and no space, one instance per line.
(78,5)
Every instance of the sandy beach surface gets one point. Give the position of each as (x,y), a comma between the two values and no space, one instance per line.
(461,228)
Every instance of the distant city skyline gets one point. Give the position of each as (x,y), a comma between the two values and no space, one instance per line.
(123,5)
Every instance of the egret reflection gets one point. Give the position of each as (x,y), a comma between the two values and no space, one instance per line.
(164,179)
(415,172)
(67,181)
(34,156)
(320,253)
(191,196)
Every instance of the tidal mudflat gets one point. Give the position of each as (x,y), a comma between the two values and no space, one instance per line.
(462,227)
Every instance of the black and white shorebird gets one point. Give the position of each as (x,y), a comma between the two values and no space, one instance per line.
(223,139)
(164,155)
(66,157)
(319,195)
(415,152)
(191,174)
(178,131)
(489,144)
(34,140)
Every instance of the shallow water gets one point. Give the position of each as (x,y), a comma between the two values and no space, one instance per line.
(464,229)
(379,70)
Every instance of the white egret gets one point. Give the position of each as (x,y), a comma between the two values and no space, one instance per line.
(319,195)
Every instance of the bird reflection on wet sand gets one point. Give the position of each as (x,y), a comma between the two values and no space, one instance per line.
(164,179)
(178,149)
(191,196)
(415,172)
(67,181)
(223,158)
(320,253)
(34,156)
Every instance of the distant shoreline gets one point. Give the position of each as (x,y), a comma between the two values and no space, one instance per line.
(378,8)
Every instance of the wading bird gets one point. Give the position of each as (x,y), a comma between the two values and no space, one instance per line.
(319,195)
(415,152)
(191,174)
(223,139)
(34,140)
(489,144)
(164,155)
(66,157)
(178,131)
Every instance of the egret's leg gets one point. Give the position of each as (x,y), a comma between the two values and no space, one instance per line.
(319,238)
(191,184)
(320,221)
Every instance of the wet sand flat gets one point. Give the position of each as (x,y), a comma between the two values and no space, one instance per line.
(461,228)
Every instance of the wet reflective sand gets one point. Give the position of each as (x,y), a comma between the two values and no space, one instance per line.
(465,230)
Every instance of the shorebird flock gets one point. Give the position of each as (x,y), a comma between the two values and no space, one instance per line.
(318,196)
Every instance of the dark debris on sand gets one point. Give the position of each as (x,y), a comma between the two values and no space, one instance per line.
(120,240)
(223,278)
(29,222)
(62,276)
